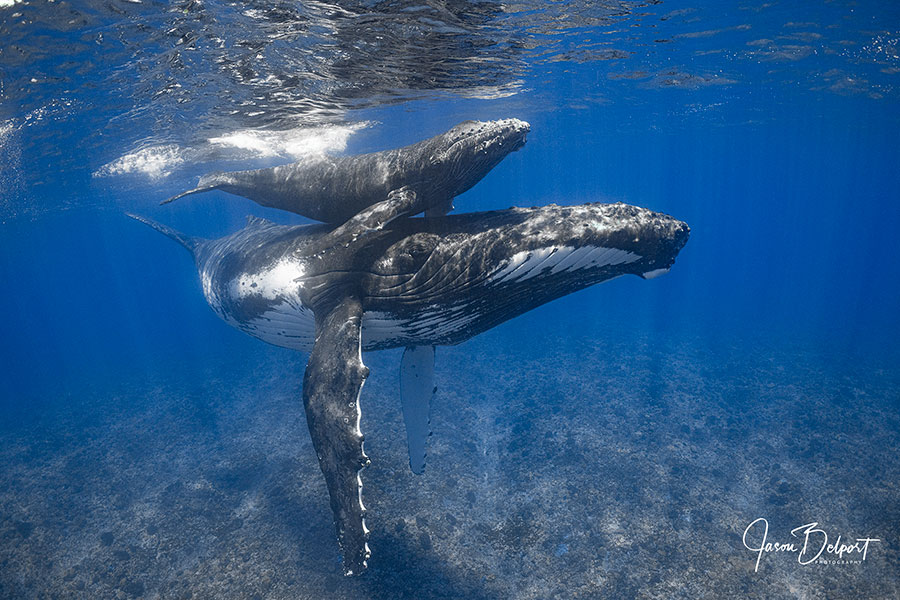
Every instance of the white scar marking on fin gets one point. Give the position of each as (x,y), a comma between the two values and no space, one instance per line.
(359,491)
(362,450)
(358,409)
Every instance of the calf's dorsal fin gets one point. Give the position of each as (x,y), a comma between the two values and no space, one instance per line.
(253,220)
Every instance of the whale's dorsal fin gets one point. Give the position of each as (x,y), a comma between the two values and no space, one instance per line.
(253,220)
(416,391)
(334,378)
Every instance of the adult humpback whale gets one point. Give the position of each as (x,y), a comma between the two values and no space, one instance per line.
(377,282)
(332,190)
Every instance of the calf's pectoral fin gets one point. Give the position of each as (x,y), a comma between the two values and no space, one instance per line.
(416,392)
(399,203)
(334,378)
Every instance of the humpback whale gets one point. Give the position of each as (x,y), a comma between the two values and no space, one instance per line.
(333,189)
(379,282)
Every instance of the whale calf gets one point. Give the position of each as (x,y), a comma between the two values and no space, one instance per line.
(333,189)
(379,282)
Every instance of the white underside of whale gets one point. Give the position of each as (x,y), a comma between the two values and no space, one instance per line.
(557,259)
(290,324)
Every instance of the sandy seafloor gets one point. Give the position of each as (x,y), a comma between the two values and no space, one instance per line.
(609,465)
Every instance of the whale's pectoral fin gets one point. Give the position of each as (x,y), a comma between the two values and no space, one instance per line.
(374,218)
(371,220)
(334,378)
(416,391)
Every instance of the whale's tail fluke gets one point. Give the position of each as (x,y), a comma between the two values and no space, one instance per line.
(190,243)
(207,183)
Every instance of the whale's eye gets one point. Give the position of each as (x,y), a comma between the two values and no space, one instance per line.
(409,254)
(419,245)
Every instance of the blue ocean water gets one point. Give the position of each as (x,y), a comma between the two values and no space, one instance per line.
(757,379)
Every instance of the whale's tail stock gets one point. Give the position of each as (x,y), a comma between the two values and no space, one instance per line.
(190,243)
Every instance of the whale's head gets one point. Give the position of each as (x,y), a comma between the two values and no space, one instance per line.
(461,157)
(571,247)
(472,272)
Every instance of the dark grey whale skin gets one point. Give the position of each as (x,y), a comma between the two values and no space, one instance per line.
(439,279)
(333,189)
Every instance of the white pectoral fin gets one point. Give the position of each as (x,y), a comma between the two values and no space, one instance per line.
(416,391)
